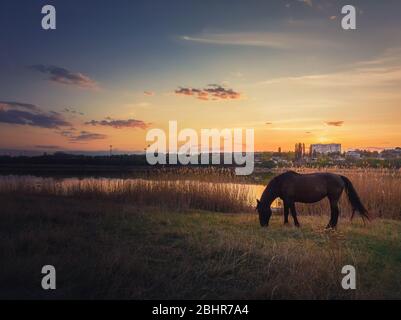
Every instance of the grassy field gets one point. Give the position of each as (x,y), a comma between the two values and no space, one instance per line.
(105,248)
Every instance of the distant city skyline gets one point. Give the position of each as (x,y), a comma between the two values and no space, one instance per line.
(106,152)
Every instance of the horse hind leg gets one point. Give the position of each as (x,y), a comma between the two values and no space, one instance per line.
(334,213)
(294,214)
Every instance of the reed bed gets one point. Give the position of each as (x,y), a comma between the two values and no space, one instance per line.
(214,190)
(175,194)
(199,173)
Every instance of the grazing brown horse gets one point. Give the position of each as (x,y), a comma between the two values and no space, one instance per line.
(293,187)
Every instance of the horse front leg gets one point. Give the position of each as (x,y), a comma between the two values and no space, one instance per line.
(294,214)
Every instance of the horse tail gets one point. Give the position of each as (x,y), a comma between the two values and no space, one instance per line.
(354,199)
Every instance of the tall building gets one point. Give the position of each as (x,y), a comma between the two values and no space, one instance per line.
(325,148)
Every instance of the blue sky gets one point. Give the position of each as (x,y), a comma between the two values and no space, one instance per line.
(290,62)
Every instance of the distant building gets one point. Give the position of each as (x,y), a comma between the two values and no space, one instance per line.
(325,148)
(391,153)
(299,151)
(353,154)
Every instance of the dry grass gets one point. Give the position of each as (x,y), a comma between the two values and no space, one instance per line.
(148,239)
(108,249)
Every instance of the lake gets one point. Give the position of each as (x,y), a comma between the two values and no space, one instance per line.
(66,186)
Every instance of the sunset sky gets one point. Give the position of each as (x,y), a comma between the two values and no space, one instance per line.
(114,69)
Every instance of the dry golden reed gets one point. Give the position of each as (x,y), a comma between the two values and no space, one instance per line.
(214,190)
(176,194)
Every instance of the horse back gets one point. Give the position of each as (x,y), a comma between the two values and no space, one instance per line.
(310,187)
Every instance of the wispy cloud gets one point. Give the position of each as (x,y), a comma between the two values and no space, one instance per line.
(64,76)
(335,123)
(19,105)
(72,111)
(298,129)
(67,132)
(307,2)
(211,92)
(274,40)
(357,77)
(118,124)
(47,147)
(28,114)
(149,93)
(87,136)
(241,39)
(390,56)
(142,104)
(384,70)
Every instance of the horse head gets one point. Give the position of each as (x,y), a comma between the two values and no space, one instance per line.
(264,213)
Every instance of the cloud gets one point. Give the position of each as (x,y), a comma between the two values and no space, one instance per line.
(307,2)
(237,74)
(149,93)
(31,115)
(87,136)
(47,147)
(273,40)
(390,56)
(211,92)
(268,123)
(64,76)
(354,77)
(68,132)
(74,136)
(72,111)
(382,71)
(118,124)
(239,39)
(335,123)
(142,104)
(19,105)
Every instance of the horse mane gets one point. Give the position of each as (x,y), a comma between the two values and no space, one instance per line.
(274,185)
(289,172)
(270,189)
